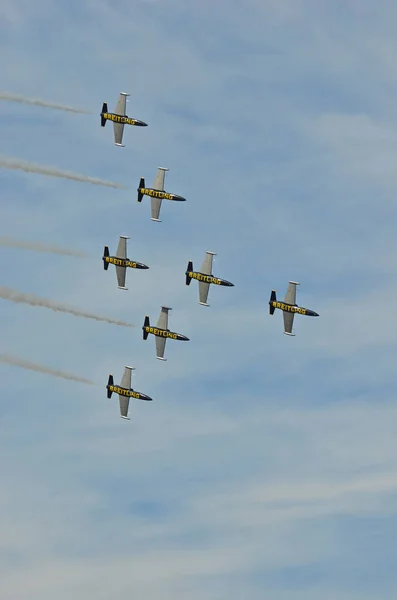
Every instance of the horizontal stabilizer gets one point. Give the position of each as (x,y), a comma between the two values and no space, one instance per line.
(141,186)
(188,270)
(145,324)
(272,299)
(110,382)
(105,253)
(104,111)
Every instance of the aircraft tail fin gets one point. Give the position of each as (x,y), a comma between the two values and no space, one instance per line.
(104,110)
(105,253)
(189,268)
(272,299)
(146,324)
(141,185)
(110,382)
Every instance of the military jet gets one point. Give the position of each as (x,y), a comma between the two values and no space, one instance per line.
(157,193)
(121,261)
(289,307)
(161,332)
(125,391)
(205,277)
(119,118)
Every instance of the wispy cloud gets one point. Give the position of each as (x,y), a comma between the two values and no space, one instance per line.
(265,465)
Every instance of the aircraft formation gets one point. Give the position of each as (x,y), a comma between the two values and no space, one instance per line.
(204,277)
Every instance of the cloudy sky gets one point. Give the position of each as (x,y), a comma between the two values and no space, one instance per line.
(266,467)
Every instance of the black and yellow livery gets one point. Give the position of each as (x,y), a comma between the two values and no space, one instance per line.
(289,307)
(120,261)
(205,277)
(161,332)
(124,391)
(157,193)
(119,118)
(202,277)
(123,119)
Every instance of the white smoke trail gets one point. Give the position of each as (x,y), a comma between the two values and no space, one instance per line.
(33,101)
(15,164)
(21,298)
(26,364)
(37,247)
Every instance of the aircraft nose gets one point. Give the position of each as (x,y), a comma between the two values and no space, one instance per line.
(144,397)
(183,338)
(141,124)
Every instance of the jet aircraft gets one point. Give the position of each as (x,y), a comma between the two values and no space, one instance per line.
(289,307)
(119,118)
(125,391)
(204,277)
(121,261)
(157,193)
(161,332)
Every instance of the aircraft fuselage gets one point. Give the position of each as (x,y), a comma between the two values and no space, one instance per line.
(208,278)
(165,333)
(293,308)
(129,393)
(160,194)
(123,119)
(124,262)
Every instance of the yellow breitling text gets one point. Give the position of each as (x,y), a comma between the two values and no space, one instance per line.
(119,119)
(121,262)
(289,308)
(156,194)
(204,278)
(161,332)
(123,392)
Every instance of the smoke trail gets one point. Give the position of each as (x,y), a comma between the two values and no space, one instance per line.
(35,102)
(37,247)
(21,298)
(25,364)
(16,164)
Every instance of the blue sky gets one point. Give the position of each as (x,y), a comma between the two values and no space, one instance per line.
(266,465)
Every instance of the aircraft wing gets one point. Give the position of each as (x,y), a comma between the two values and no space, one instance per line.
(121,104)
(290,296)
(155,206)
(158,183)
(206,267)
(162,322)
(126,379)
(118,129)
(160,347)
(288,322)
(124,403)
(203,292)
(121,253)
(120,109)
